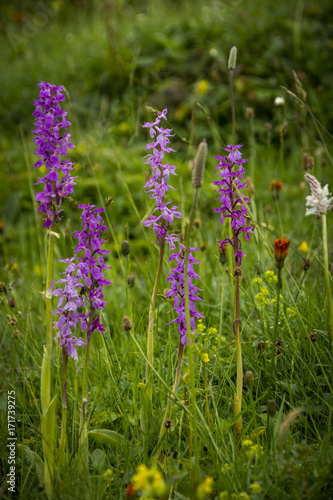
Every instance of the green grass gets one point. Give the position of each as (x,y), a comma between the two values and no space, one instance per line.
(115,59)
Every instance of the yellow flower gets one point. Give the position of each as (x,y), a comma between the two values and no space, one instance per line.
(43,169)
(257,280)
(224,495)
(254,450)
(261,299)
(201,87)
(271,277)
(140,479)
(264,291)
(292,311)
(303,247)
(240,496)
(212,330)
(205,358)
(225,468)
(255,488)
(247,442)
(205,488)
(200,327)
(37,270)
(149,481)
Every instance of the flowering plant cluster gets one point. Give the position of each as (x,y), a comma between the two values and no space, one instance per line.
(177,280)
(52,147)
(82,299)
(158,183)
(232,205)
(319,201)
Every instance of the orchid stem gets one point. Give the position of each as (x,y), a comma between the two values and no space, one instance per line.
(327,274)
(150,336)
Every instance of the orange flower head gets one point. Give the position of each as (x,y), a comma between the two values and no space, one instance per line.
(281,250)
(276,186)
(130,491)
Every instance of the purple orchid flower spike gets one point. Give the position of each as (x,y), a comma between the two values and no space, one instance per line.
(82,298)
(232,206)
(53,143)
(158,183)
(177,279)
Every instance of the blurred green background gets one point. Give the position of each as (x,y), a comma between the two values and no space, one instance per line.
(117,57)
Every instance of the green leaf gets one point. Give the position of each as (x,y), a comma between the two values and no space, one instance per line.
(34,461)
(98,458)
(48,436)
(107,437)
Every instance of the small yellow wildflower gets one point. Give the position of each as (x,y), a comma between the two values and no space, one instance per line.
(261,299)
(123,127)
(254,450)
(37,270)
(205,488)
(212,330)
(243,496)
(201,87)
(303,247)
(149,481)
(247,442)
(264,291)
(225,468)
(292,311)
(205,358)
(257,280)
(240,496)
(271,277)
(255,488)
(43,169)
(224,495)
(200,327)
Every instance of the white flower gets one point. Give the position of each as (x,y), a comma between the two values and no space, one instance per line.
(279,101)
(319,201)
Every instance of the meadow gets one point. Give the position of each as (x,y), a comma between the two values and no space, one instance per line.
(233,401)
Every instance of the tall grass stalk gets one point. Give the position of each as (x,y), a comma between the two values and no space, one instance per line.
(45,381)
(327,274)
(150,335)
(276,323)
(62,450)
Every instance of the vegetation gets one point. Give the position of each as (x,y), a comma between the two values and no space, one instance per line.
(119,62)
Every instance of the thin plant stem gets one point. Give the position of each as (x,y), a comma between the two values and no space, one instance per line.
(168,410)
(300,286)
(150,335)
(206,394)
(281,142)
(239,380)
(187,424)
(62,451)
(327,275)
(83,438)
(232,107)
(221,306)
(272,370)
(193,419)
(49,324)
(126,286)
(45,381)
